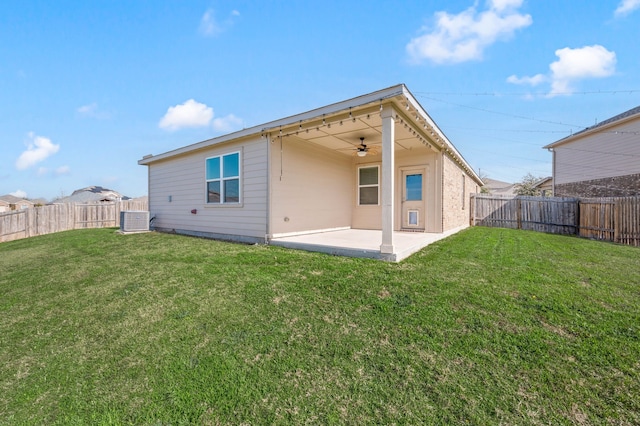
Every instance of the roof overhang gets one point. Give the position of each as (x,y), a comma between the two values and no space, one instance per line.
(340,125)
(604,126)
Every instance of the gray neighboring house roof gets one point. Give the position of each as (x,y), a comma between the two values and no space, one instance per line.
(92,194)
(39,201)
(622,116)
(540,182)
(497,187)
(11,199)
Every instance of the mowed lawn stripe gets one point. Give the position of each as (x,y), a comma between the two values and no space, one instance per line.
(487,326)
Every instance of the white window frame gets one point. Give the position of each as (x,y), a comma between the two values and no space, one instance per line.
(223,179)
(377,166)
(417,212)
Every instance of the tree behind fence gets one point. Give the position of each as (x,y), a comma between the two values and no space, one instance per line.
(62,217)
(608,219)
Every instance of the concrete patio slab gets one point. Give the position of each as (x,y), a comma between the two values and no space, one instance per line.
(362,243)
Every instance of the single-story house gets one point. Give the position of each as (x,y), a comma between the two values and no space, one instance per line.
(377,163)
(545,186)
(497,187)
(10,202)
(600,161)
(92,194)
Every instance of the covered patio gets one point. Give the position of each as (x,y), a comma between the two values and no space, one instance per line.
(368,177)
(362,243)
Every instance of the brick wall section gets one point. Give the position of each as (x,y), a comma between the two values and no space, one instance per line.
(618,186)
(454,213)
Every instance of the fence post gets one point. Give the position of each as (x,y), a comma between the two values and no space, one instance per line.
(578,218)
(27,223)
(472,204)
(118,210)
(519,212)
(616,220)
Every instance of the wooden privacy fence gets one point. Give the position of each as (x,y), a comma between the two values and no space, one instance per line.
(608,219)
(62,217)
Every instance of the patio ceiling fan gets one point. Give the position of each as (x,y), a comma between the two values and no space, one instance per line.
(363,150)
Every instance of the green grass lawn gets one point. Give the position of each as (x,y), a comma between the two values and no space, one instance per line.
(489,326)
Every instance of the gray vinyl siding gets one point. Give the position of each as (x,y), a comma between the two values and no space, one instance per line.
(614,151)
(183,178)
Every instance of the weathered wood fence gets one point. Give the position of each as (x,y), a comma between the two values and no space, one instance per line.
(607,219)
(62,217)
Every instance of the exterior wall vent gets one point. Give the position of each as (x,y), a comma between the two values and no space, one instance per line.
(134,221)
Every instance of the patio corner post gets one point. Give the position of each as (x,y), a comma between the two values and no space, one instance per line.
(388,167)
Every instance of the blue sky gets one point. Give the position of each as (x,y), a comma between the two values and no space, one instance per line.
(90,87)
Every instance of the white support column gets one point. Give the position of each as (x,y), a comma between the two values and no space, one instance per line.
(388,173)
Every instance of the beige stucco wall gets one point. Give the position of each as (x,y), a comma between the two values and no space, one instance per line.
(311,187)
(365,217)
(183,179)
(455,202)
(370,217)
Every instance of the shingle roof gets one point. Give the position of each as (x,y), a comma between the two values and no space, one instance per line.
(92,194)
(622,116)
(11,199)
(542,180)
(632,111)
(497,187)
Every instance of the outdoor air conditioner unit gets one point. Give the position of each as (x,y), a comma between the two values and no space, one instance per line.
(134,221)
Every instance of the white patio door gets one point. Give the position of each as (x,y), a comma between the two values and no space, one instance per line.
(413,198)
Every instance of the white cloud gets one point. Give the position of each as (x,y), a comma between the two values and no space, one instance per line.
(188,114)
(59,171)
(195,114)
(92,110)
(211,27)
(208,24)
(227,124)
(465,36)
(19,193)
(505,4)
(62,170)
(533,81)
(573,65)
(38,149)
(626,7)
(89,109)
(576,64)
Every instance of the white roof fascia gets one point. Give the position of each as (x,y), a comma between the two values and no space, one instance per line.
(591,130)
(377,96)
(448,145)
(359,101)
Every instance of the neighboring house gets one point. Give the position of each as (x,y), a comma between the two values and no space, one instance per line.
(10,202)
(496,187)
(38,202)
(92,194)
(375,162)
(600,161)
(545,186)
